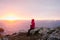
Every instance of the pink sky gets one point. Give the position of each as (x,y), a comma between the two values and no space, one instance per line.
(28,9)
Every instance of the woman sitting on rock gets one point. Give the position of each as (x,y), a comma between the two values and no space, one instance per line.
(32,26)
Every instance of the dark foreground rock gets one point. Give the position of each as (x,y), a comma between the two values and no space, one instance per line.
(36,34)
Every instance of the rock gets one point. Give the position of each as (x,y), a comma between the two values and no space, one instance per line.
(55,35)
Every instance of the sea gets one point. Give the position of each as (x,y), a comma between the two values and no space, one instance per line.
(11,27)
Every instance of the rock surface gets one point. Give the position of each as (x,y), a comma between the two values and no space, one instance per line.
(36,34)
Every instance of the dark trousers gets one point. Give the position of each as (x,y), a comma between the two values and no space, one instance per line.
(28,34)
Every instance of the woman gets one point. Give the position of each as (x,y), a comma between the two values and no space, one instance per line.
(32,26)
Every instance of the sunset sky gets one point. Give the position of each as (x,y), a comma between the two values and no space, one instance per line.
(28,9)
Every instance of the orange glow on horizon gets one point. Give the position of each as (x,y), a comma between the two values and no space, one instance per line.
(10,22)
(13,17)
(9,16)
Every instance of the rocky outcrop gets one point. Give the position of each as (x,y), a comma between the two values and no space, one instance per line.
(36,34)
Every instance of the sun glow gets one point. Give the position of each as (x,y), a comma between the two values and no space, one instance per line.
(10,17)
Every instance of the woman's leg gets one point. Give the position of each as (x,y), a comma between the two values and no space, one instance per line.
(28,34)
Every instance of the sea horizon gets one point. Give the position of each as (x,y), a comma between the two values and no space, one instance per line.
(24,25)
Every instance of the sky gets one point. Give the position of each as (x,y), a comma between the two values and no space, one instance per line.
(29,9)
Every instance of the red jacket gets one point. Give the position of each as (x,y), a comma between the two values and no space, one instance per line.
(32,26)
